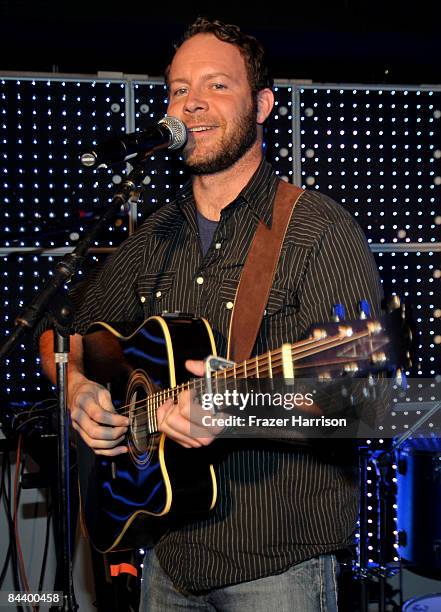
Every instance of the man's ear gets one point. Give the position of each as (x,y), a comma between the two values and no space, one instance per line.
(265,103)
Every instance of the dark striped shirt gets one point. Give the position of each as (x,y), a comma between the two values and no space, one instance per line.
(278,504)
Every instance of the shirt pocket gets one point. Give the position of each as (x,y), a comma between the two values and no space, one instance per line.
(153,289)
(277,299)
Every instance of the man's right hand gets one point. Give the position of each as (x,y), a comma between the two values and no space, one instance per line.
(94,417)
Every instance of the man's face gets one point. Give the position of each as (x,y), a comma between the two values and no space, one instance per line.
(210,93)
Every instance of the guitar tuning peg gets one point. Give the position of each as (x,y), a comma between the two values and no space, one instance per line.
(392,303)
(364,309)
(338,313)
(401,379)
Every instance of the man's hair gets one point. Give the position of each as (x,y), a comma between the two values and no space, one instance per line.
(250,48)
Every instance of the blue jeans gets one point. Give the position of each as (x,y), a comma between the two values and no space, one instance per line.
(310,586)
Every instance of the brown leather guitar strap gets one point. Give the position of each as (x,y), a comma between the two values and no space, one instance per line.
(258,273)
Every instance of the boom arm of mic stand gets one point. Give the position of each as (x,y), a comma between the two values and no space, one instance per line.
(68,266)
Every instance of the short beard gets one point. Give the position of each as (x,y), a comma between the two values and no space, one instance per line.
(242,139)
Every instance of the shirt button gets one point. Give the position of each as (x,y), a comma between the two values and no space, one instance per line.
(199,280)
(229,305)
(218,245)
(143,298)
(158,294)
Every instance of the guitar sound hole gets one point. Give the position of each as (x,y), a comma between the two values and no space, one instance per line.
(141,426)
(143,436)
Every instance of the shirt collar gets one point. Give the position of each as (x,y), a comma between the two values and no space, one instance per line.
(258,193)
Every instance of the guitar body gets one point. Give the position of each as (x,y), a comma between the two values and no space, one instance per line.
(120,496)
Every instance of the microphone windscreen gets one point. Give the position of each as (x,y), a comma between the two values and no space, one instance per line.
(177,129)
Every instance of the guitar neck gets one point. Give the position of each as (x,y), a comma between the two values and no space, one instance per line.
(275,363)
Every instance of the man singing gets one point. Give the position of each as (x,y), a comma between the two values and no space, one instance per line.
(284,512)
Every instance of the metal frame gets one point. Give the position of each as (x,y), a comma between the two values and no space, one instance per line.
(297,85)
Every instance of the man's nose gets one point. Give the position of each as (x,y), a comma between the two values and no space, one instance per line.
(195,102)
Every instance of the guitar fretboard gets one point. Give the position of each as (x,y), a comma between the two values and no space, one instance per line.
(283,361)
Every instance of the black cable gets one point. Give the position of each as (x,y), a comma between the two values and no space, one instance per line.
(46,547)
(8,511)
(15,565)
(2,481)
(3,497)
(7,504)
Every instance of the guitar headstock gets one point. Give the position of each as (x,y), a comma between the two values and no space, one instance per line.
(360,347)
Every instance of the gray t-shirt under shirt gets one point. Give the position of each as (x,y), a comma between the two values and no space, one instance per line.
(206,231)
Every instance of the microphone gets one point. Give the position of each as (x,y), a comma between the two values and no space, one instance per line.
(168,133)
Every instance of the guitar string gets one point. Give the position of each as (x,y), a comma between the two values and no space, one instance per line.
(147,421)
(150,404)
(246,367)
(232,373)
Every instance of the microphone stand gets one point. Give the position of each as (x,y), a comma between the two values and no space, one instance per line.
(50,298)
